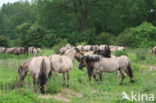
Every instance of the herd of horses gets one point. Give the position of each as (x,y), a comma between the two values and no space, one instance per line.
(92,48)
(20,50)
(95,60)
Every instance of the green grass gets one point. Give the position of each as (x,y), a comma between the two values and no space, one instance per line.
(107,91)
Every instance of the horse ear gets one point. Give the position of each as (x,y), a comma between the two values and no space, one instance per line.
(24,66)
(77,50)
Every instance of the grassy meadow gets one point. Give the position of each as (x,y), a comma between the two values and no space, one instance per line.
(80,90)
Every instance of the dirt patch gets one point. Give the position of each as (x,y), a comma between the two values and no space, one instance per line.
(57,97)
(65,95)
(151,67)
(71,93)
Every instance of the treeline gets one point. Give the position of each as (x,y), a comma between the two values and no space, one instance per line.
(45,23)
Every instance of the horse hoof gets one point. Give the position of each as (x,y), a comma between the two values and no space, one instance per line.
(132,81)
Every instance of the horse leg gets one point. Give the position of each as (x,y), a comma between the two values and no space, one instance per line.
(56,73)
(36,83)
(42,88)
(123,77)
(63,79)
(89,76)
(95,77)
(68,79)
(100,76)
(118,74)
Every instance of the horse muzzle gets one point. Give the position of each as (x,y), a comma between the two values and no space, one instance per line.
(81,66)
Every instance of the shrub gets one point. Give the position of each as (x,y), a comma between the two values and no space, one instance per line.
(60,43)
(126,38)
(120,53)
(145,35)
(104,38)
(4,41)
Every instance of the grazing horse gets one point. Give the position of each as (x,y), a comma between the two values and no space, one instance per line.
(39,68)
(35,51)
(100,64)
(63,63)
(38,51)
(154,50)
(2,49)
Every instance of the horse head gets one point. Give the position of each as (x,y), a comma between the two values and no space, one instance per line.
(23,72)
(106,52)
(82,62)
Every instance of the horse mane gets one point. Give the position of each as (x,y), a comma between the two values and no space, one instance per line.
(106,52)
(68,51)
(93,58)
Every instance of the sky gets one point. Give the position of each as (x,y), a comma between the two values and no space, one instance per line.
(6,1)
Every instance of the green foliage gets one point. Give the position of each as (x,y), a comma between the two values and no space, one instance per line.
(38,23)
(104,38)
(35,35)
(4,41)
(120,53)
(16,14)
(81,43)
(60,43)
(145,35)
(22,33)
(126,38)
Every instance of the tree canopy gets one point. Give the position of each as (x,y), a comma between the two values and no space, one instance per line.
(43,23)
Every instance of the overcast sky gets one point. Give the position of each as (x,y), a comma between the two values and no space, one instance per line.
(6,1)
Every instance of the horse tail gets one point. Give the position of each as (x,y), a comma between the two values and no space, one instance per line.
(130,72)
(43,71)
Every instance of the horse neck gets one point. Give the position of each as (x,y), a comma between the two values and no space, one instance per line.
(70,55)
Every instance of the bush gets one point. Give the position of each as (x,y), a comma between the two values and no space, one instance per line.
(60,43)
(4,41)
(104,38)
(120,53)
(145,35)
(126,38)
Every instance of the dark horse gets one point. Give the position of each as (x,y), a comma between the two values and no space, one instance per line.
(105,53)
